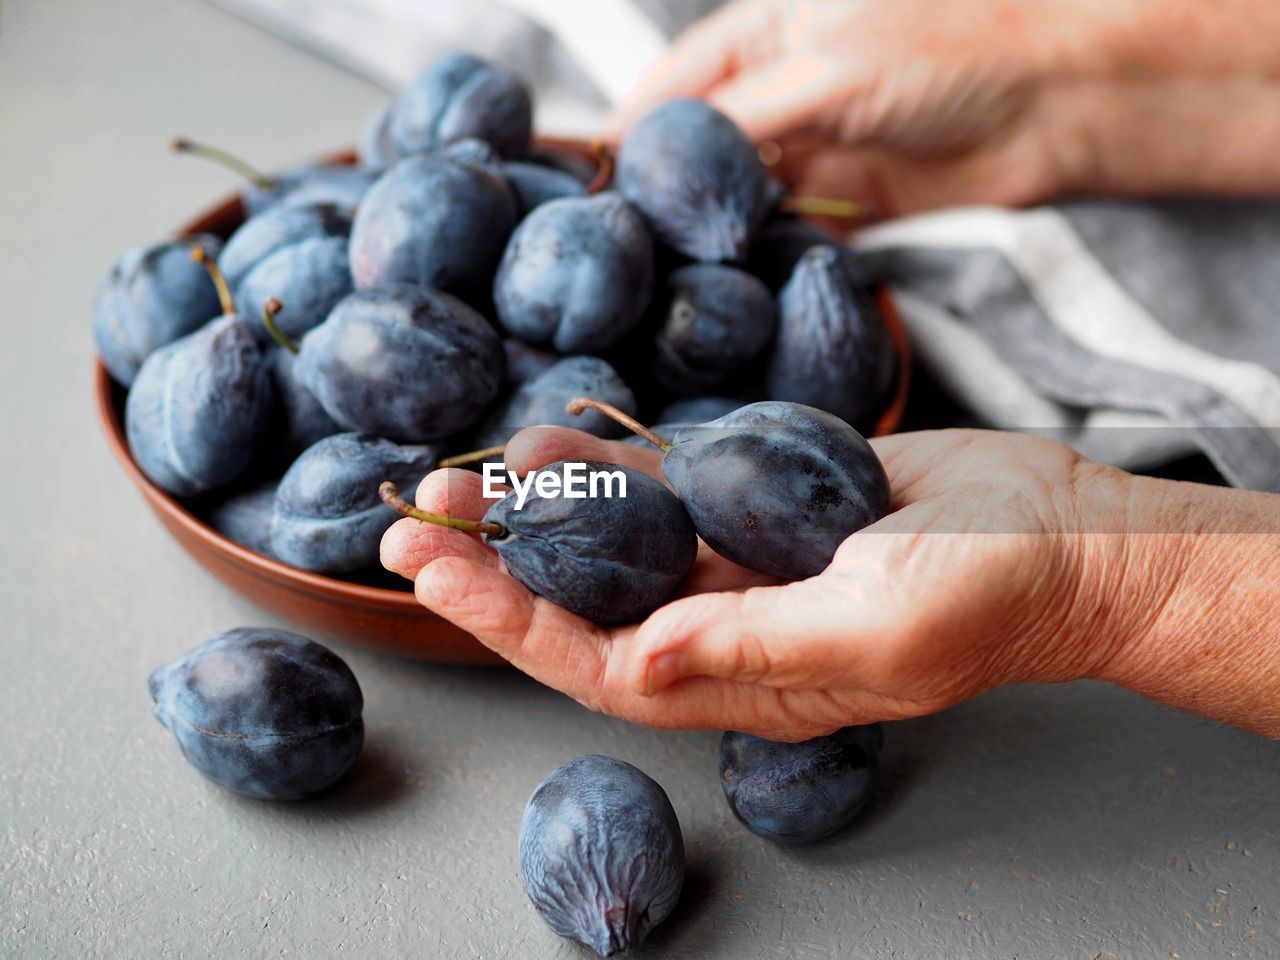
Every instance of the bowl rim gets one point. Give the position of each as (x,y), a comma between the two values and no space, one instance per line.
(215,219)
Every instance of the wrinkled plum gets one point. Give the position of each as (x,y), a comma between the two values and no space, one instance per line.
(773,486)
(402,362)
(800,792)
(263,712)
(327,516)
(246,517)
(535,184)
(541,401)
(577,273)
(601,853)
(278,228)
(717,320)
(308,278)
(525,362)
(201,408)
(149,297)
(437,220)
(832,349)
(697,179)
(606,557)
(458,97)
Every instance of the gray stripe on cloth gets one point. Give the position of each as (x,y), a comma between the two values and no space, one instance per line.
(983,291)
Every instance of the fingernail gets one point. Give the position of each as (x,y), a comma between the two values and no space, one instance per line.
(664,670)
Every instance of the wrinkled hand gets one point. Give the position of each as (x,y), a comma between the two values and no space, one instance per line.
(982,576)
(904,105)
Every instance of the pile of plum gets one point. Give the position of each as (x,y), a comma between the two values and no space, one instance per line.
(456,285)
(460,283)
(276,716)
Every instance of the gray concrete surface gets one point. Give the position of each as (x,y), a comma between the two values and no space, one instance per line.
(1073,822)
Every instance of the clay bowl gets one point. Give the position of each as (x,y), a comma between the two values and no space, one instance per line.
(382,619)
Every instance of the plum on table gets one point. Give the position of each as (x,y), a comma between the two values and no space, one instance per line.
(264,712)
(601,853)
(800,792)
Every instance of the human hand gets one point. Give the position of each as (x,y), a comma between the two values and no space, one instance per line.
(922,104)
(985,574)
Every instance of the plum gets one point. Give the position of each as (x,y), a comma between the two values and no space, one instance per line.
(718,319)
(783,240)
(402,362)
(577,274)
(608,558)
(264,712)
(327,516)
(302,420)
(257,239)
(337,184)
(524,362)
(535,184)
(800,792)
(697,409)
(601,853)
(697,179)
(149,297)
(775,487)
(832,350)
(541,400)
(458,97)
(308,278)
(437,220)
(246,517)
(201,408)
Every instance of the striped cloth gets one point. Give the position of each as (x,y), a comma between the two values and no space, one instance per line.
(1137,332)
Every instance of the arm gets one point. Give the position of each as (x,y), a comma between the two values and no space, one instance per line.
(1210,644)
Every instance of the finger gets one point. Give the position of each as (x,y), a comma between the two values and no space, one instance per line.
(409,545)
(455,493)
(535,447)
(707,53)
(566,652)
(806,635)
(545,641)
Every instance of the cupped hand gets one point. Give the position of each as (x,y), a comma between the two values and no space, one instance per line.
(993,568)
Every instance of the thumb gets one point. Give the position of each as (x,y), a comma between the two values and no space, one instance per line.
(798,635)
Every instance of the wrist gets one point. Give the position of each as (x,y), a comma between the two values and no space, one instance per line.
(1200,576)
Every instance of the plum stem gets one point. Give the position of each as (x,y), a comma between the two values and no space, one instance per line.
(390,495)
(826,207)
(472,456)
(578,404)
(604,167)
(224,159)
(201,256)
(270,307)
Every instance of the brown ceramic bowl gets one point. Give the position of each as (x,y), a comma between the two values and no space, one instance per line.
(388,620)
